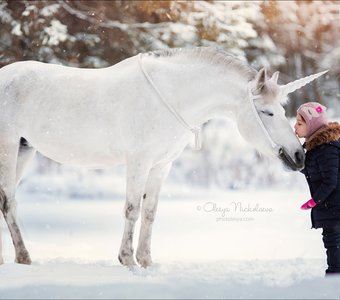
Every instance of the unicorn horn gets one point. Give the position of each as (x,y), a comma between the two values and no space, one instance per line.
(293,86)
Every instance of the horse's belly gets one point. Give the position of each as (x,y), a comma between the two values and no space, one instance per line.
(89,158)
(91,153)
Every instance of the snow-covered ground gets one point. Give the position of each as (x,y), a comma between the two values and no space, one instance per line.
(205,245)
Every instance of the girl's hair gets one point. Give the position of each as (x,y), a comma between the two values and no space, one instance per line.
(303,119)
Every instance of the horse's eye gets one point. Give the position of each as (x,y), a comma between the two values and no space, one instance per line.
(268,113)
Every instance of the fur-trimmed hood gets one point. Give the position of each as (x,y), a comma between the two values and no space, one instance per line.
(326,134)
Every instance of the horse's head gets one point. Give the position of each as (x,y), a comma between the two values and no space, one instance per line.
(263,123)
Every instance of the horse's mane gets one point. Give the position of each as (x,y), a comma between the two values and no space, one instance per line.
(210,55)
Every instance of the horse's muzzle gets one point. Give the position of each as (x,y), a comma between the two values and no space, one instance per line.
(297,163)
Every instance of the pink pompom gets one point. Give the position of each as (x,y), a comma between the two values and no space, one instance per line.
(319,109)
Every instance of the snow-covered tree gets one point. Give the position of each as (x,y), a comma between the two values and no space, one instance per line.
(305,32)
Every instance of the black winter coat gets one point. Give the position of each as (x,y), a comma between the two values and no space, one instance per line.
(322,171)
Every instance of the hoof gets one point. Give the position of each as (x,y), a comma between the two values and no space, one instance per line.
(23,258)
(127,261)
(144,261)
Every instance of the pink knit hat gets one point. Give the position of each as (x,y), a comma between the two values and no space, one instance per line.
(314,115)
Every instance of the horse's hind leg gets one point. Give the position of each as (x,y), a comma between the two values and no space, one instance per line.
(149,208)
(1,242)
(25,154)
(8,160)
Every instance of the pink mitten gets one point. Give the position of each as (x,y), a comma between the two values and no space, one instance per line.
(308,205)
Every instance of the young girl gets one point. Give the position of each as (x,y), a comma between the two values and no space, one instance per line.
(322,171)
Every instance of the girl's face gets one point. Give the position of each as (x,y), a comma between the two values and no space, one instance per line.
(300,127)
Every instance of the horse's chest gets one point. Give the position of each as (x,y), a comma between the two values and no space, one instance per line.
(171,149)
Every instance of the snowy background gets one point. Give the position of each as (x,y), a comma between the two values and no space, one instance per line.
(204,245)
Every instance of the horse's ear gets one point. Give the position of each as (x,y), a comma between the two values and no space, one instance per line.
(260,80)
(275,77)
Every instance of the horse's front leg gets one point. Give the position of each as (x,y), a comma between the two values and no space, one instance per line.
(149,208)
(137,174)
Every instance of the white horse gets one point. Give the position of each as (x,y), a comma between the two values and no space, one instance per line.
(140,112)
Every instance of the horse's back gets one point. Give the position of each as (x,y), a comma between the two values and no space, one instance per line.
(38,74)
(35,86)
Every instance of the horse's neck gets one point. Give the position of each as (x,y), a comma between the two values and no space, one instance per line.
(199,91)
